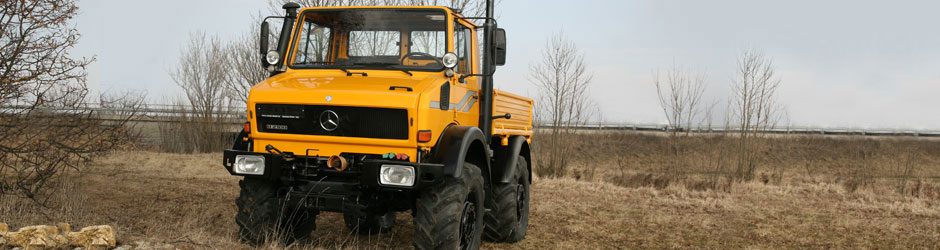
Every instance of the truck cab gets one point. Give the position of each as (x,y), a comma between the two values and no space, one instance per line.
(375,110)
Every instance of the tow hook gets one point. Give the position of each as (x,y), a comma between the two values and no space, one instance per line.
(336,162)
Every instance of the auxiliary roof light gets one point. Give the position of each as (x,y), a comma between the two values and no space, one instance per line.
(450,60)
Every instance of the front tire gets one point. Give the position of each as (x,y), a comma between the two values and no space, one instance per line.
(449,214)
(262,216)
(508,218)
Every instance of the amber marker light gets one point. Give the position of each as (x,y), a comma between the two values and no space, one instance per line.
(247,127)
(424,136)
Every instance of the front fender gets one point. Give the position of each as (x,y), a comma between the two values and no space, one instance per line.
(459,144)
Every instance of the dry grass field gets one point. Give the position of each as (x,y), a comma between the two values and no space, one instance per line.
(810,192)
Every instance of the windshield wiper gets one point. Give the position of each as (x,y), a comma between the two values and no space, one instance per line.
(382,64)
(349,73)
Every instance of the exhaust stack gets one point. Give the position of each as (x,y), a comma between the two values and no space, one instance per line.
(290,16)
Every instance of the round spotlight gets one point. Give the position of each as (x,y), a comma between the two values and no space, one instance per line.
(450,60)
(272,57)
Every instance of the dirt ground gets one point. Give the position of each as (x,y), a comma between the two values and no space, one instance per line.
(160,200)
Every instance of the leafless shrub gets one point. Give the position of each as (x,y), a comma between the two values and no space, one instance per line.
(903,166)
(714,160)
(176,135)
(46,126)
(679,91)
(754,107)
(185,132)
(39,146)
(861,175)
(123,108)
(562,80)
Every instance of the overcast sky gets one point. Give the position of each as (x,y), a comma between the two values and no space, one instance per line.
(865,64)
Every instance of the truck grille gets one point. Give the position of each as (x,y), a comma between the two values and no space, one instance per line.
(379,123)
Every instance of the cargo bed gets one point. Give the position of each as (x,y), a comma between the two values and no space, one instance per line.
(520,109)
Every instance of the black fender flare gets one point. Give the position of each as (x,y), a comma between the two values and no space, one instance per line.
(459,144)
(506,160)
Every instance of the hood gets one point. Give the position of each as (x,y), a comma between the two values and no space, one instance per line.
(334,87)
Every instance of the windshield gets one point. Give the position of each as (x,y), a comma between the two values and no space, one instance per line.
(402,39)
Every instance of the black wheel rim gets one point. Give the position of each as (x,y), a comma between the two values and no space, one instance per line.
(520,201)
(467,223)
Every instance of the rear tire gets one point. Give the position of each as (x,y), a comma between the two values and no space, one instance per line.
(449,214)
(262,216)
(371,223)
(508,218)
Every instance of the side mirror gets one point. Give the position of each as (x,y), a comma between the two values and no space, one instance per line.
(499,45)
(263,42)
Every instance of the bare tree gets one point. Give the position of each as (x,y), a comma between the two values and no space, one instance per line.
(562,80)
(245,66)
(35,39)
(46,126)
(202,73)
(755,108)
(680,91)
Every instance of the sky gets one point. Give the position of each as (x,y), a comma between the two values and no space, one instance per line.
(856,64)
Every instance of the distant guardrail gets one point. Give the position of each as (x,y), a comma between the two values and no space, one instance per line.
(143,113)
(236,115)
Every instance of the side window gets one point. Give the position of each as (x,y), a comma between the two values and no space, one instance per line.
(462,47)
(313,45)
(374,43)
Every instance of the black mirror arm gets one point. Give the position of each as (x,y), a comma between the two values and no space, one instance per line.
(463,77)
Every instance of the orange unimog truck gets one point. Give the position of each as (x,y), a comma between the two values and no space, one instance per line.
(375,110)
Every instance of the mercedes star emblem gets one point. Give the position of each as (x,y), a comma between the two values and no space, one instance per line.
(329,120)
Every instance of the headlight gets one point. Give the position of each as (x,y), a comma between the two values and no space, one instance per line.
(272,57)
(450,60)
(249,164)
(397,175)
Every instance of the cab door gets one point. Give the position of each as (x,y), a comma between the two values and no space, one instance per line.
(465,94)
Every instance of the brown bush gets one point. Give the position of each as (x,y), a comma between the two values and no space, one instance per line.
(186,132)
(708,162)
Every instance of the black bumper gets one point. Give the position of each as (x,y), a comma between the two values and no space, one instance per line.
(363,171)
